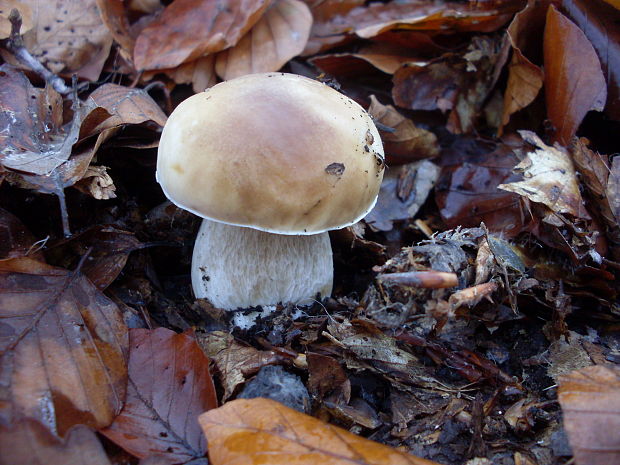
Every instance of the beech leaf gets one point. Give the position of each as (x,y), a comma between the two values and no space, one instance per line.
(257,431)
(574,81)
(549,178)
(279,35)
(63,348)
(69,37)
(169,385)
(590,401)
(188,29)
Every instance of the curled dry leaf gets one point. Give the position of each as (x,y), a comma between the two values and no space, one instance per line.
(590,401)
(246,431)
(328,26)
(24,11)
(97,183)
(407,142)
(613,188)
(189,29)
(169,386)
(63,348)
(235,361)
(574,81)
(28,442)
(549,178)
(525,79)
(36,145)
(279,35)
(127,106)
(69,37)
(113,15)
(200,73)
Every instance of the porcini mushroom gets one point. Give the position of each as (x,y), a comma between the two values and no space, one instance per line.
(271,162)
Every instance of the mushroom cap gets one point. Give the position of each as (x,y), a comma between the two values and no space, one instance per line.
(275,152)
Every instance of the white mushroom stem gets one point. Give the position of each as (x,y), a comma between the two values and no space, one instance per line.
(235,267)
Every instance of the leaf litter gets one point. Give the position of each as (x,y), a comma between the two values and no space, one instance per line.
(484,278)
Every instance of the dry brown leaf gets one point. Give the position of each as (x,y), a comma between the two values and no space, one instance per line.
(5,9)
(169,386)
(127,106)
(590,401)
(458,83)
(97,182)
(550,178)
(253,431)
(234,361)
(35,143)
(189,29)
(407,142)
(279,35)
(28,442)
(114,16)
(599,22)
(525,79)
(385,57)
(328,27)
(63,348)
(69,37)
(574,81)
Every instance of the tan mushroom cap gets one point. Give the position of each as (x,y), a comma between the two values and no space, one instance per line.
(276,152)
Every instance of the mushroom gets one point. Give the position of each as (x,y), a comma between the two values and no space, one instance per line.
(271,162)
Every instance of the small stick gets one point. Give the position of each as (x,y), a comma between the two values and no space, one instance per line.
(15,45)
(422,279)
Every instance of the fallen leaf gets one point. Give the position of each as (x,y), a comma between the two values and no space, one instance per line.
(113,15)
(525,79)
(69,37)
(407,142)
(189,29)
(458,83)
(327,379)
(383,56)
(97,182)
(590,401)
(169,385)
(549,178)
(28,442)
(63,347)
(107,247)
(402,193)
(35,143)
(328,25)
(24,11)
(254,430)
(574,81)
(200,73)
(127,106)
(466,192)
(234,361)
(279,35)
(599,24)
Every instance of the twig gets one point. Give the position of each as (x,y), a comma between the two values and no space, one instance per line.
(15,45)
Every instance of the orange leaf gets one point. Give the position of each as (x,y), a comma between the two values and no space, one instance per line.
(525,79)
(188,29)
(253,431)
(590,400)
(64,347)
(574,82)
(278,36)
(169,385)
